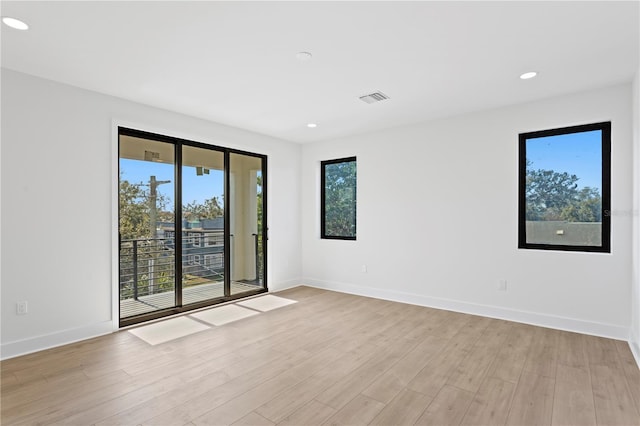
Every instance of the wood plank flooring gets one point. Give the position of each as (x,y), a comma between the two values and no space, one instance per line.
(331,359)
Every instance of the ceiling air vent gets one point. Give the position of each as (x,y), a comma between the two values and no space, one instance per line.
(374,97)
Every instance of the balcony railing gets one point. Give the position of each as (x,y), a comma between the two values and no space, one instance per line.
(148,275)
(147,265)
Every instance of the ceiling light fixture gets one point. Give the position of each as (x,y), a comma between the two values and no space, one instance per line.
(312,125)
(15,23)
(303,56)
(528,75)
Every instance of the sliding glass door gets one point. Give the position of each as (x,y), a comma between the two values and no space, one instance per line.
(203,225)
(192,225)
(246,223)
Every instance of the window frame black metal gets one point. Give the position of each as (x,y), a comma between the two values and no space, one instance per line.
(323,218)
(605,128)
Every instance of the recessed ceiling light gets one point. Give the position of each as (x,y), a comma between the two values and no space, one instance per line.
(312,125)
(303,56)
(14,23)
(528,75)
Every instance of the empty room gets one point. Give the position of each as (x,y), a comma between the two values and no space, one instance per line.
(390,213)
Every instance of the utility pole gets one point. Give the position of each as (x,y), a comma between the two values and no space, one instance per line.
(153,219)
(153,196)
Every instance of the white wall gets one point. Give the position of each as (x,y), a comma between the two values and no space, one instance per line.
(635,286)
(57,182)
(437,219)
(437,213)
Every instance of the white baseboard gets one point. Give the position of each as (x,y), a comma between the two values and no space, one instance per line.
(285,285)
(533,318)
(48,341)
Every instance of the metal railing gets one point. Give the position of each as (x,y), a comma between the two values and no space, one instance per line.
(147,265)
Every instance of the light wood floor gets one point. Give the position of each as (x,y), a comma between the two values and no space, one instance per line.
(332,359)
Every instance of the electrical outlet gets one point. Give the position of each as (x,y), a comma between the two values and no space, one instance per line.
(21,308)
(364,268)
(502,285)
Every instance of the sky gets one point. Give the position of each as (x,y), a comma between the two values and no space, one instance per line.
(575,153)
(578,154)
(195,188)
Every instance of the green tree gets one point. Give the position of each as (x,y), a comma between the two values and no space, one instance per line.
(210,209)
(260,253)
(548,192)
(134,210)
(586,207)
(340,199)
(552,195)
(259,190)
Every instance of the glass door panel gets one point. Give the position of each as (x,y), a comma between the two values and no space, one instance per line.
(246,223)
(146,222)
(203,185)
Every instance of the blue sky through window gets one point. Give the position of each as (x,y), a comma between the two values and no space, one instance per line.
(195,188)
(575,153)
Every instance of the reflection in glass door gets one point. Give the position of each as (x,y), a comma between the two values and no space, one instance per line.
(203,227)
(247,224)
(146,213)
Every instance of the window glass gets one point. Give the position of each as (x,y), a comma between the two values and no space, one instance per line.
(338,215)
(564,188)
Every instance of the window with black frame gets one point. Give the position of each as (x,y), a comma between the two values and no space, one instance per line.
(565,188)
(338,199)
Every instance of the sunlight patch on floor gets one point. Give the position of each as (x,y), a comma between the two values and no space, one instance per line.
(175,328)
(170,329)
(223,314)
(266,303)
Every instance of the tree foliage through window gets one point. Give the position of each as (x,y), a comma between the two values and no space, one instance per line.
(339,199)
(553,195)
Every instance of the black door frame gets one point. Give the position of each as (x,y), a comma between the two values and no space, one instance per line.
(178,143)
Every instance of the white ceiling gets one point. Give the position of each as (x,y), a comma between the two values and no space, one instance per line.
(234,62)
